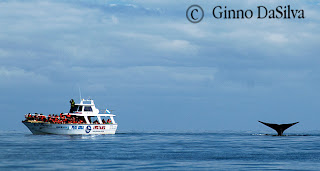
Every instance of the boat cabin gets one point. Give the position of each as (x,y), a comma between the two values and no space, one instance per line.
(87,110)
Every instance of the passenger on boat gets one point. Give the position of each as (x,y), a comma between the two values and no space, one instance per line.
(41,117)
(108,121)
(56,118)
(28,116)
(103,121)
(72,103)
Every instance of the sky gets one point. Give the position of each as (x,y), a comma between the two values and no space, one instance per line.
(157,71)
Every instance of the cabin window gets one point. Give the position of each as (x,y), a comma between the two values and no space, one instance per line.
(94,120)
(87,108)
(80,108)
(86,102)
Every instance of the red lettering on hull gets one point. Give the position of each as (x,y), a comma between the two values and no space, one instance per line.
(99,127)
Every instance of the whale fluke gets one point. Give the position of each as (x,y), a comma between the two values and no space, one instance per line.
(279,127)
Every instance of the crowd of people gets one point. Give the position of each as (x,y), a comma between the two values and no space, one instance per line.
(61,119)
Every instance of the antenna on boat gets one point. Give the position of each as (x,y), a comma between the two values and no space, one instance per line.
(80,93)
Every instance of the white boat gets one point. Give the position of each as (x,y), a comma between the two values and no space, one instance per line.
(79,120)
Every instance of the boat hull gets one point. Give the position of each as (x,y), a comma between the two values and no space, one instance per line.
(70,129)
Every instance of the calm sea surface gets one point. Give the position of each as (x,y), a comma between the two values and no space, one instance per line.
(160,151)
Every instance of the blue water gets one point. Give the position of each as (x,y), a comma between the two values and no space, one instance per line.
(160,151)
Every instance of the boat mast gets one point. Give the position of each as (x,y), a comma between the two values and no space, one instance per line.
(80,93)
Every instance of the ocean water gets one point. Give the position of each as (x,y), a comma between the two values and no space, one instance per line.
(160,151)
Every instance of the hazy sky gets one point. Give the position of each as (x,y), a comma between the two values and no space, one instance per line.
(155,69)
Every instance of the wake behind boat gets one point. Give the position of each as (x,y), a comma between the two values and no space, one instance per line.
(83,118)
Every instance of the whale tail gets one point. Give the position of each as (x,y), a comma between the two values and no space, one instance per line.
(280,128)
